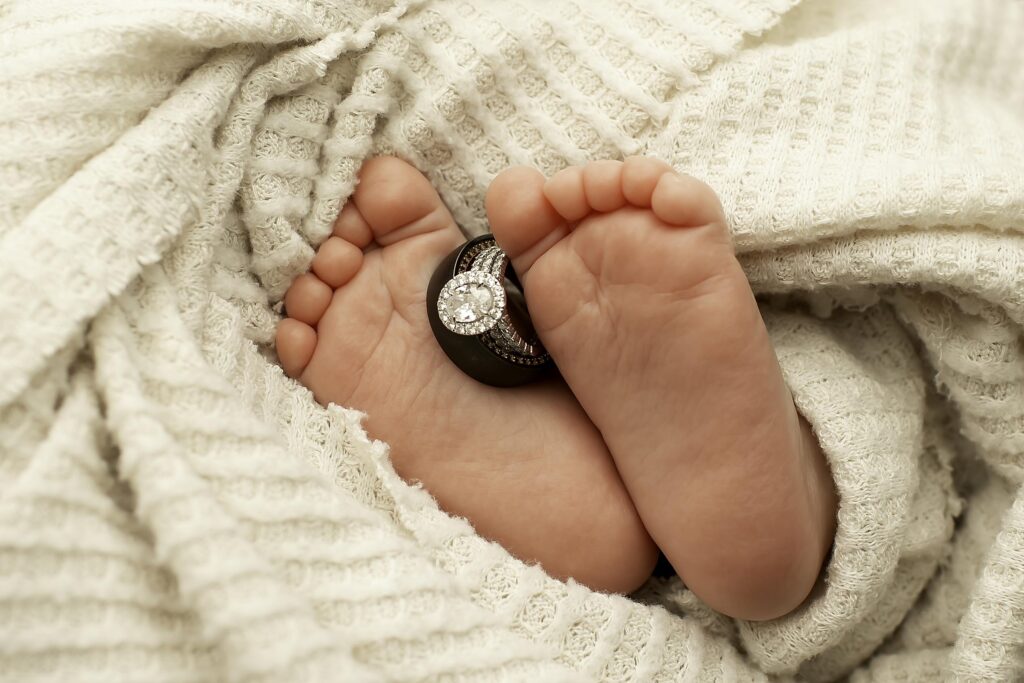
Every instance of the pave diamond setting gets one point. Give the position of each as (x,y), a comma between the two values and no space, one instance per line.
(471,303)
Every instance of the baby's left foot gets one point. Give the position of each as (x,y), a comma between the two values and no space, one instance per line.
(634,289)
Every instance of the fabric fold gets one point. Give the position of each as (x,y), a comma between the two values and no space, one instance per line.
(857,380)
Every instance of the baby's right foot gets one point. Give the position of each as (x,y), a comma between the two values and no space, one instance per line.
(634,289)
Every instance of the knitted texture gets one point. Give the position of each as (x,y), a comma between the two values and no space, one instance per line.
(173,508)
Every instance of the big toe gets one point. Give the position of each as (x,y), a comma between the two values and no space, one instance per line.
(523,221)
(401,212)
(399,203)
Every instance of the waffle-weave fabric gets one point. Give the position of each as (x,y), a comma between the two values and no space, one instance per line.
(173,508)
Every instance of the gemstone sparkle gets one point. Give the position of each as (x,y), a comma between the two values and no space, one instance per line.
(469,302)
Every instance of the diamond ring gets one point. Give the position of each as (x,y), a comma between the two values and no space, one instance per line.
(481,325)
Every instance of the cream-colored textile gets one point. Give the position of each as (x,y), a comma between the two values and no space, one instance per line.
(172,508)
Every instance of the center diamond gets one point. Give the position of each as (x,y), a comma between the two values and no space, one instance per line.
(469,302)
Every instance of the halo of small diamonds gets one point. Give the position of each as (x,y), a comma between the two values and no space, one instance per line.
(471,303)
(478,317)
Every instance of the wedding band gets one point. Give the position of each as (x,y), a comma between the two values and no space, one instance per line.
(472,317)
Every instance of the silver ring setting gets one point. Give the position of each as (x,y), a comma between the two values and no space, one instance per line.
(472,318)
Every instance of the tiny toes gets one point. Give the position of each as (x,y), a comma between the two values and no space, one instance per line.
(564,191)
(307,299)
(602,183)
(640,175)
(685,201)
(295,344)
(336,261)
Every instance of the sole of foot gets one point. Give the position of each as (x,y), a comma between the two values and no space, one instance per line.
(525,466)
(634,288)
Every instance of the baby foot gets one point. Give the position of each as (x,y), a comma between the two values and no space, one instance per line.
(634,289)
(525,465)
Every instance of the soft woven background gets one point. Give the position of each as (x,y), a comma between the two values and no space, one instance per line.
(172,508)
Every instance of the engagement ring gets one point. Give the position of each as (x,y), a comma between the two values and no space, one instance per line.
(483,326)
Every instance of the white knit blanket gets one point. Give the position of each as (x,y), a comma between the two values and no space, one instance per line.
(173,508)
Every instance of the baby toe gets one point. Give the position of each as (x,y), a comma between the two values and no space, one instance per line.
(336,261)
(602,183)
(295,342)
(352,227)
(564,191)
(398,202)
(640,175)
(684,201)
(523,221)
(307,299)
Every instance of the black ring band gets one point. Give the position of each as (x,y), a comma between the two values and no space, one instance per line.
(484,357)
